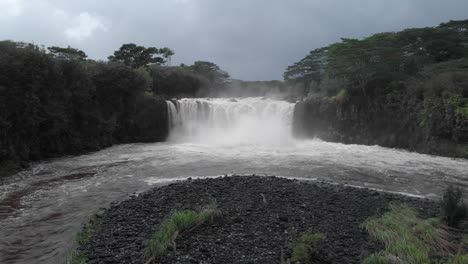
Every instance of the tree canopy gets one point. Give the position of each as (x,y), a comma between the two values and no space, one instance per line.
(138,56)
(359,60)
(211,71)
(68,53)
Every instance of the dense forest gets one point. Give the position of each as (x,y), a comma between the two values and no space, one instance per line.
(55,101)
(405,89)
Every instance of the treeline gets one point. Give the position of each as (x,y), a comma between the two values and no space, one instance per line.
(55,101)
(405,89)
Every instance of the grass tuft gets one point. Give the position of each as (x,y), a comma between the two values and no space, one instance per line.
(82,237)
(92,227)
(407,238)
(306,247)
(459,259)
(174,225)
(376,259)
(76,257)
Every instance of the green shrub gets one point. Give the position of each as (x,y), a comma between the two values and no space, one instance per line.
(376,259)
(407,238)
(453,208)
(178,222)
(76,257)
(89,229)
(306,247)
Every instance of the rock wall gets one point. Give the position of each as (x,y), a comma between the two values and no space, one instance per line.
(430,126)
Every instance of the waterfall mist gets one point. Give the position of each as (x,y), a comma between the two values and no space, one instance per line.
(253,120)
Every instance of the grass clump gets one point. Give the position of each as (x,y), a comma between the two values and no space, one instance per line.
(376,259)
(177,223)
(82,237)
(306,247)
(453,208)
(459,259)
(92,227)
(407,238)
(76,257)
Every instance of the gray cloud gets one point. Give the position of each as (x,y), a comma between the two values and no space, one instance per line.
(252,40)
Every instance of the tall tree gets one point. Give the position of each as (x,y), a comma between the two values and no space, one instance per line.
(137,56)
(211,71)
(311,68)
(68,53)
(167,53)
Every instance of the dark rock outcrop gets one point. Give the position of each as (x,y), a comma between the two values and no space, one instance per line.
(429,125)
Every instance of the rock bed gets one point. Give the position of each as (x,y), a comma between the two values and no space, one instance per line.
(261,218)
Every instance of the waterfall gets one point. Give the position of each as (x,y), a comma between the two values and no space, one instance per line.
(230,121)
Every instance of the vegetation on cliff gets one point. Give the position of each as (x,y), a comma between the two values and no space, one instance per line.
(405,89)
(55,102)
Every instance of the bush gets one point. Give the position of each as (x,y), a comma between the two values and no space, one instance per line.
(407,238)
(453,207)
(306,247)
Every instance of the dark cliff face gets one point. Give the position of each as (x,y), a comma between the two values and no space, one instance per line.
(149,123)
(146,123)
(431,125)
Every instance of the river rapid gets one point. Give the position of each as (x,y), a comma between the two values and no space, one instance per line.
(42,208)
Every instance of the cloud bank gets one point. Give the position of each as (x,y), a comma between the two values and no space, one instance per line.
(251,39)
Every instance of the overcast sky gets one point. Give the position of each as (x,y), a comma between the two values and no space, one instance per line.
(251,39)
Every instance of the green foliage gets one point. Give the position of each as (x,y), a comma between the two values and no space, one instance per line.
(167,53)
(177,81)
(360,60)
(376,259)
(68,53)
(306,247)
(76,257)
(407,238)
(453,207)
(51,107)
(309,69)
(341,96)
(459,259)
(461,105)
(136,56)
(208,213)
(211,71)
(92,227)
(178,222)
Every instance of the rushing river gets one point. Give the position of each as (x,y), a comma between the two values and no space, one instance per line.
(42,208)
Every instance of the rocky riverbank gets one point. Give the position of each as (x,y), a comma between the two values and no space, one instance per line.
(261,218)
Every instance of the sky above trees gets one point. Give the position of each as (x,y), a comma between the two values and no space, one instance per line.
(251,39)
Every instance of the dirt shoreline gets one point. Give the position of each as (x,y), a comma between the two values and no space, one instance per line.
(261,217)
